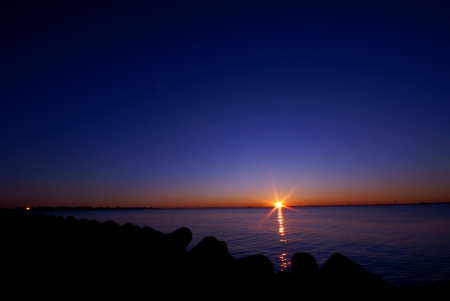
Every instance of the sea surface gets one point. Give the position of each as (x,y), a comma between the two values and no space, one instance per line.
(406,245)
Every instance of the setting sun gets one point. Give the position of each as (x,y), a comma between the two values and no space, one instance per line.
(278,204)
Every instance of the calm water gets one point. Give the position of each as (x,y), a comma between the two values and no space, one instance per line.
(405,245)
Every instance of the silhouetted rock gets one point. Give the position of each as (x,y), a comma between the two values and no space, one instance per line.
(434,291)
(71,219)
(210,258)
(256,267)
(285,281)
(304,267)
(179,239)
(343,276)
(152,234)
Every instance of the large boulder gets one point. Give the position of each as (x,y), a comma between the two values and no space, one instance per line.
(256,267)
(341,275)
(210,259)
(304,267)
(179,239)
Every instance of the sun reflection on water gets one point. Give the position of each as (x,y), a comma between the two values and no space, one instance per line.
(284,263)
(280,222)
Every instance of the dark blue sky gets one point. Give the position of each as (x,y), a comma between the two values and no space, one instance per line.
(211,103)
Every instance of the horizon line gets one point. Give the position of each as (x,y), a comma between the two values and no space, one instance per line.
(79,208)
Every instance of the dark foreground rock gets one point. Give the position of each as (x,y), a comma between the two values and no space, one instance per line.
(40,253)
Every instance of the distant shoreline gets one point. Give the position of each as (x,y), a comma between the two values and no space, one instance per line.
(87,208)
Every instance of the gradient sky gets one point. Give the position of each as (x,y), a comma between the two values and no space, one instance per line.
(214,103)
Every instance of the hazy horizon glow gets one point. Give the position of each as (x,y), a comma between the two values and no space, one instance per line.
(176,104)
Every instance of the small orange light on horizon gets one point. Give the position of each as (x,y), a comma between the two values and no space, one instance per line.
(28,208)
(278,204)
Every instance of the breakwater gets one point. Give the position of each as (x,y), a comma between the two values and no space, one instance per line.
(66,252)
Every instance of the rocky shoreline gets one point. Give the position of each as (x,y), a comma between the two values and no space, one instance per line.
(43,250)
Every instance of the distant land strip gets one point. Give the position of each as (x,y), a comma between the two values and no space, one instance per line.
(84,208)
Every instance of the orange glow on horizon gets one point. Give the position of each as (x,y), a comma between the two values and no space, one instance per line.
(261,197)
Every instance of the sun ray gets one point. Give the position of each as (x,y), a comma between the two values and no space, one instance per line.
(289,193)
(274,191)
(279,203)
(270,213)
